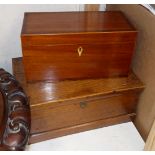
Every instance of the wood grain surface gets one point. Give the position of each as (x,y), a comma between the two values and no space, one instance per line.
(74,22)
(62,107)
(63,61)
(79,128)
(51,47)
(73,89)
(80,111)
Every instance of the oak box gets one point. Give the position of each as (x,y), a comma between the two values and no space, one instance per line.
(67,107)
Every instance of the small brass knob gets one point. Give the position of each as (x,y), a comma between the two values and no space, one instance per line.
(83,105)
(80,50)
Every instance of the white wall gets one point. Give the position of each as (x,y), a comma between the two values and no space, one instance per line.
(11,18)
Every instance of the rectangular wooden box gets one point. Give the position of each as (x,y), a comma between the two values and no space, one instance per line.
(66,107)
(76,45)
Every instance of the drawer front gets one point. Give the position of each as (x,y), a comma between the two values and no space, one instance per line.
(48,117)
(59,62)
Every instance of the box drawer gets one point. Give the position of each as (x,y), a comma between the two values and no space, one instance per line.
(77,61)
(70,113)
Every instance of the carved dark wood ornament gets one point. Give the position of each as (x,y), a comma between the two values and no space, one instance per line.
(15,126)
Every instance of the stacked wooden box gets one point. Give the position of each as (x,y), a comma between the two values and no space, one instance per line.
(76,71)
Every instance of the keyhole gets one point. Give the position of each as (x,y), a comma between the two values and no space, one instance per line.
(80,50)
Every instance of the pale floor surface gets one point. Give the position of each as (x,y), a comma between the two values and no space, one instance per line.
(121,137)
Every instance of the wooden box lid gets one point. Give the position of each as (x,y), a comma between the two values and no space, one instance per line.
(53,92)
(51,23)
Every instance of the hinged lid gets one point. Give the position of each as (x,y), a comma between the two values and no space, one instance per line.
(74,22)
(51,92)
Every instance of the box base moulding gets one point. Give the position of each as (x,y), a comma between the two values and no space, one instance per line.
(38,137)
